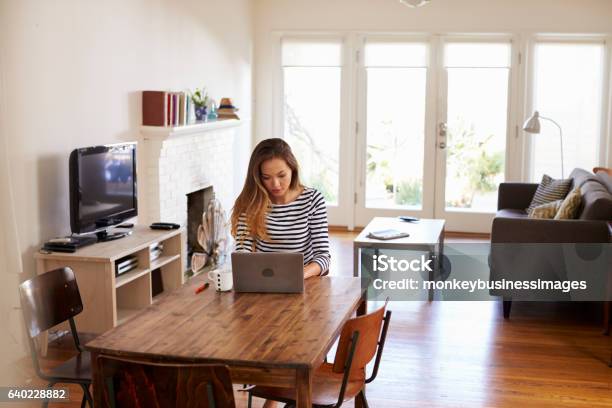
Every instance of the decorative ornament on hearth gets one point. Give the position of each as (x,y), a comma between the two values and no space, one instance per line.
(213,238)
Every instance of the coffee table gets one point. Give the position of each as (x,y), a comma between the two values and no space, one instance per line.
(425,235)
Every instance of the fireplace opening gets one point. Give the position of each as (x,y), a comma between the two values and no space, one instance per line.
(197,202)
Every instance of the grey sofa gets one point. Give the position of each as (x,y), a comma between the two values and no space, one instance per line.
(511,224)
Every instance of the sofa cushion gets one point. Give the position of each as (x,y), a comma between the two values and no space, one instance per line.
(548,210)
(550,190)
(596,198)
(570,206)
(511,213)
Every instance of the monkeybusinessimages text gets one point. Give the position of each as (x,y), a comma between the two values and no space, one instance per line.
(385,263)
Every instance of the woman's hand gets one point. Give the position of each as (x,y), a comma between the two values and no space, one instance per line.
(312,269)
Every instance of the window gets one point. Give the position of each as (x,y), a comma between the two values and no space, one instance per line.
(312,75)
(396,82)
(568,85)
(477,77)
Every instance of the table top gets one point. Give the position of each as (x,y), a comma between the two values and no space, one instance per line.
(245,329)
(425,231)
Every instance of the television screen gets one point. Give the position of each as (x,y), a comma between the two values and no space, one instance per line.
(102,186)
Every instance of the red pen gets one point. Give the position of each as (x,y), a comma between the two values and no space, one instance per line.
(201,288)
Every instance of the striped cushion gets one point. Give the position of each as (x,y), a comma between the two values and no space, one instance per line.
(549,190)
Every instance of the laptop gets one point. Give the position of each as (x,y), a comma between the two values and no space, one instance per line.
(268,272)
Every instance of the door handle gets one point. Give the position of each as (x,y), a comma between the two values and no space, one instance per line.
(442,128)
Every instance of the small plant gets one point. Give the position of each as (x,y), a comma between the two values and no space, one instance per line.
(200,97)
(409,192)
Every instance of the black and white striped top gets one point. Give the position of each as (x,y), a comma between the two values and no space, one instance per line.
(299,226)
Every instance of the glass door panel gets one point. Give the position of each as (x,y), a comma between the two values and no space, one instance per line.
(395,132)
(313,129)
(471,133)
(476,138)
(312,84)
(393,105)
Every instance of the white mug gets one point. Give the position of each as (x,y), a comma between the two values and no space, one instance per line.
(222,279)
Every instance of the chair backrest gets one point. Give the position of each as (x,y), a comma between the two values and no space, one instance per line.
(49,299)
(369,328)
(129,383)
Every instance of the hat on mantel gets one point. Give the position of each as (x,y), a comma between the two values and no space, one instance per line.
(227,103)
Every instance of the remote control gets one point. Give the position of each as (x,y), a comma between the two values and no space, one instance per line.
(161,227)
(407,218)
(164,225)
(126,225)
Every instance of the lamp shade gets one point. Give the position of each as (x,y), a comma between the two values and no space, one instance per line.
(532,125)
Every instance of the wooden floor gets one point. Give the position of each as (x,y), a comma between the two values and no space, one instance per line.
(463,354)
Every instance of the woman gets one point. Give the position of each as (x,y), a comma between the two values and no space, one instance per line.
(276,213)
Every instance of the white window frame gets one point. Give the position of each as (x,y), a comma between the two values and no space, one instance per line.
(343,212)
(518,148)
(605,137)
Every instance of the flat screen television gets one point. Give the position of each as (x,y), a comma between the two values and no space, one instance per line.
(102,188)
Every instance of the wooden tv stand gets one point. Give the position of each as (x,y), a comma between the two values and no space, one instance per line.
(108,300)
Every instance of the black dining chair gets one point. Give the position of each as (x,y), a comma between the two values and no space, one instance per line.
(48,300)
(129,383)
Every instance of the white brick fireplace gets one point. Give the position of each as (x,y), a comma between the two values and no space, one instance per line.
(173,162)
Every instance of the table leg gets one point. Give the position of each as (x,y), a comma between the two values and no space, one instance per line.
(433,272)
(441,250)
(96,382)
(303,383)
(437,253)
(356,252)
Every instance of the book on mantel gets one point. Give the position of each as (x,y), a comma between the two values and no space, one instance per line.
(154,108)
(165,108)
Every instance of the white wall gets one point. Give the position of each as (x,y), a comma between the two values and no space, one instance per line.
(71,75)
(440,16)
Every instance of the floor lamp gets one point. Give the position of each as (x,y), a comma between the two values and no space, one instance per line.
(532,125)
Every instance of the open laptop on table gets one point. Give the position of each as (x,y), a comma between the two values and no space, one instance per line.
(268,272)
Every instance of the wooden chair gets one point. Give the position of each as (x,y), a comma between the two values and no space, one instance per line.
(334,383)
(143,384)
(47,300)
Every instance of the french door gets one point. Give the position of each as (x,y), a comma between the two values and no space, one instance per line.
(433,119)
(410,126)
(472,130)
(314,88)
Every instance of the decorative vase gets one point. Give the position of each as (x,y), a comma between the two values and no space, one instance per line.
(200,112)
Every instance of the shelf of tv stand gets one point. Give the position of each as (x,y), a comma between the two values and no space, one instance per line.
(163,261)
(128,277)
(109,300)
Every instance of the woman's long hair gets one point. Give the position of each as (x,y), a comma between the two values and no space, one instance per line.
(254,202)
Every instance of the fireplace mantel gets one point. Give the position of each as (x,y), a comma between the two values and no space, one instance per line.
(166,132)
(175,161)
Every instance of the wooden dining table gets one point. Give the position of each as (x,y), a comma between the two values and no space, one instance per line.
(264,339)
